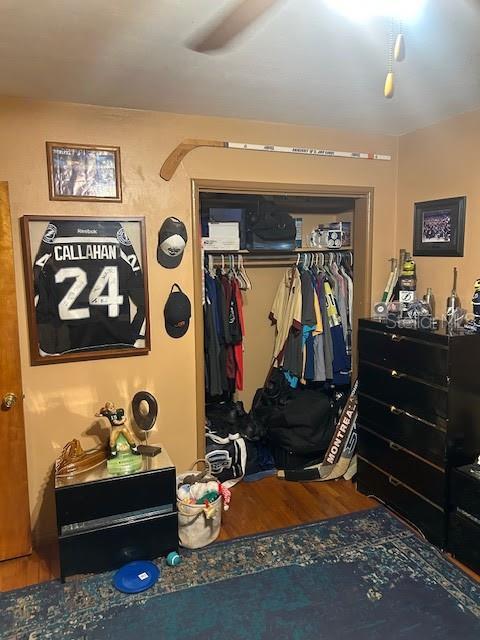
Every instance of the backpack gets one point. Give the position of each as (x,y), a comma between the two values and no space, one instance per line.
(227,457)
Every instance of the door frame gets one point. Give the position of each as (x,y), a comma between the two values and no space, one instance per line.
(362,249)
(18,538)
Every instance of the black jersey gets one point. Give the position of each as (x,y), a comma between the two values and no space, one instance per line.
(88,285)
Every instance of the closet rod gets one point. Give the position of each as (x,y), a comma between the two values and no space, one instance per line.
(254,261)
(253,254)
(284,262)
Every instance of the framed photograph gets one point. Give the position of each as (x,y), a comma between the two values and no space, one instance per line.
(87,289)
(84,172)
(439,227)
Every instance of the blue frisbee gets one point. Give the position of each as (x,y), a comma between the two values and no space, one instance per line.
(136,576)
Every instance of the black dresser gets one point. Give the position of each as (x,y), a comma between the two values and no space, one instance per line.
(105,521)
(464,529)
(419,416)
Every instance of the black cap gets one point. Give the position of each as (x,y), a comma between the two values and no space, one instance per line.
(177,313)
(172,239)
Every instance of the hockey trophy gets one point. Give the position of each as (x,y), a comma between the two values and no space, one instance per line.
(473,326)
(407,284)
(145,419)
(476,306)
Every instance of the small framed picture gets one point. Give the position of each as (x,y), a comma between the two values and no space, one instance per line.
(84,172)
(87,288)
(439,227)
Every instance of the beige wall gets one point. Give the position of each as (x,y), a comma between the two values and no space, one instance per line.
(60,399)
(437,162)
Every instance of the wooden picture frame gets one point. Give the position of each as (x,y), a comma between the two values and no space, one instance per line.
(87,287)
(84,172)
(439,227)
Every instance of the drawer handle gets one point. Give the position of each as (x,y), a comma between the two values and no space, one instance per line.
(396,374)
(396,338)
(394,446)
(396,411)
(393,481)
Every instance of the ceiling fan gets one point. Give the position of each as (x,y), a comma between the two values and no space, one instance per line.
(243,14)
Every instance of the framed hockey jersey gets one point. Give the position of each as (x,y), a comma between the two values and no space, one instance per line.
(87,290)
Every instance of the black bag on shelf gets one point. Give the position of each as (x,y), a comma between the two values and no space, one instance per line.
(271,229)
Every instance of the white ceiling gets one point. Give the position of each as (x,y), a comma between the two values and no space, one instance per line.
(300,63)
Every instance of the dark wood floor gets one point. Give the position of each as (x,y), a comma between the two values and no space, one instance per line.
(256,507)
(272,504)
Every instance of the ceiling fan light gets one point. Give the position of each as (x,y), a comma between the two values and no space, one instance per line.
(389,88)
(399,48)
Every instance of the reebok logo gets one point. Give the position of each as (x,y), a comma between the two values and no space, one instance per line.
(89,231)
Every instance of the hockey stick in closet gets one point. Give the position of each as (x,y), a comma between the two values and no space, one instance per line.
(178,154)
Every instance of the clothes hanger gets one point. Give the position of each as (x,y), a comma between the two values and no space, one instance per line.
(243,271)
(234,271)
(239,275)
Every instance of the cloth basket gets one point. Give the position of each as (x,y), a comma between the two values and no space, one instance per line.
(198,525)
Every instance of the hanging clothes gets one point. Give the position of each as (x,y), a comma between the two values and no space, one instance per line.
(312,311)
(215,380)
(224,331)
(239,346)
(286,312)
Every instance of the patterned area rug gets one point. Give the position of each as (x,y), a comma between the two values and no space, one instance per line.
(361,576)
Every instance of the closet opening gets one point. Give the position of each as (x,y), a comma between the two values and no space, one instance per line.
(233,252)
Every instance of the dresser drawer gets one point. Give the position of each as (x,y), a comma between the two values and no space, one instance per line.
(464,540)
(105,498)
(465,491)
(420,437)
(419,511)
(395,387)
(426,479)
(109,548)
(417,358)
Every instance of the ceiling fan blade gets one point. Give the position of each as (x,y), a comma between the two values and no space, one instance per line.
(231,24)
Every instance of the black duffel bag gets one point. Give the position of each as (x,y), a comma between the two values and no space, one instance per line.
(297,420)
(272,229)
(304,425)
(275,226)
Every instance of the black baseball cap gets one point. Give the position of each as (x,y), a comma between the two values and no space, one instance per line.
(172,239)
(177,313)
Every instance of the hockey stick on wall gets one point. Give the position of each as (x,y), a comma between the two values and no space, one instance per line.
(178,154)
